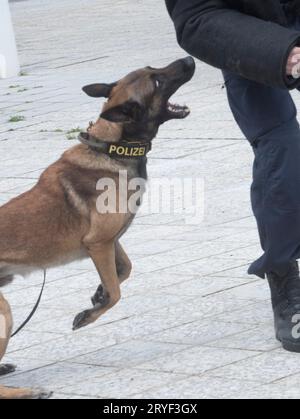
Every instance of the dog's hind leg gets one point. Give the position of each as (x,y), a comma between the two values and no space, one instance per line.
(6,322)
(5,326)
(104,258)
(124,268)
(7,393)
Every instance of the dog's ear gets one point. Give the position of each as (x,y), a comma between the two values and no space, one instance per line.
(99,89)
(129,111)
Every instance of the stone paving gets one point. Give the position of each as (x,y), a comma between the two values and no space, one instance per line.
(191,323)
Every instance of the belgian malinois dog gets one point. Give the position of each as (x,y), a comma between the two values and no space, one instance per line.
(58,221)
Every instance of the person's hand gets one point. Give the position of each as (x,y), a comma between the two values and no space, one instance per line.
(293,64)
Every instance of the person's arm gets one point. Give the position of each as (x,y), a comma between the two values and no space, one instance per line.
(228,39)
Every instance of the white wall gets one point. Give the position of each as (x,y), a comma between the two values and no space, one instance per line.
(9,64)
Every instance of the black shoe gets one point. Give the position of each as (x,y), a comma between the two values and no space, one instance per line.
(285,293)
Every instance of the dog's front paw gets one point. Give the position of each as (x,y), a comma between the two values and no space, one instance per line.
(7,369)
(82,319)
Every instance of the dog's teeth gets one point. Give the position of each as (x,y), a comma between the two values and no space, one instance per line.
(178,110)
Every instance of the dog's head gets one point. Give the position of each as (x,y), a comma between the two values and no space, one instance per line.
(140,101)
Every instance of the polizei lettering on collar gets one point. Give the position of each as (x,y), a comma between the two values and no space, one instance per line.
(125,151)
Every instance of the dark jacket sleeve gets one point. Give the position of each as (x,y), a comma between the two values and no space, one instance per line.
(231,40)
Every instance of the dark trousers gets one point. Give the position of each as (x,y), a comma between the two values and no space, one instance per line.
(268,119)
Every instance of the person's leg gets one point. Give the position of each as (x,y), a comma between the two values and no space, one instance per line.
(267,117)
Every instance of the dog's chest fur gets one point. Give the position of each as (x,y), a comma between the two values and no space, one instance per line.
(80,183)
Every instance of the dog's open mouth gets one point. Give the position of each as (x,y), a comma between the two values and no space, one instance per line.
(177,111)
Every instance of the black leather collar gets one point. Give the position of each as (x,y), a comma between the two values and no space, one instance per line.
(122,149)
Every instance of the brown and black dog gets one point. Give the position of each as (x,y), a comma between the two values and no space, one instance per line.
(57,221)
